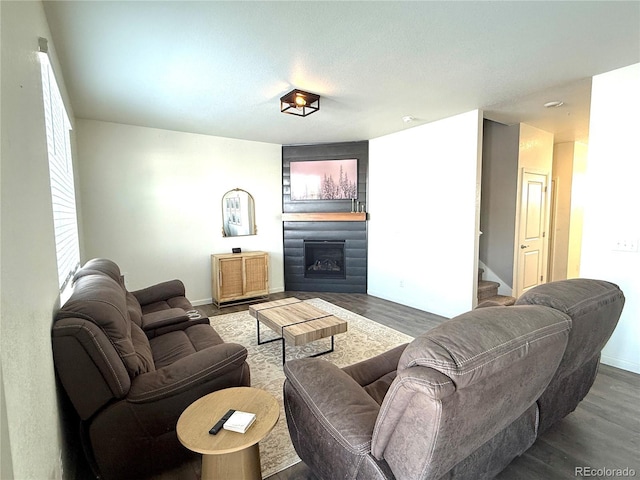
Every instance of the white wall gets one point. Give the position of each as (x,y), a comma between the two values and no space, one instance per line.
(151,201)
(535,155)
(569,165)
(424,187)
(611,208)
(31,440)
(500,151)
(578,196)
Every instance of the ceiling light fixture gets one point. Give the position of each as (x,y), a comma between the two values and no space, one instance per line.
(554,104)
(298,102)
(408,119)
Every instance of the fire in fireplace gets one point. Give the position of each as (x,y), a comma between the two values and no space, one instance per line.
(324,258)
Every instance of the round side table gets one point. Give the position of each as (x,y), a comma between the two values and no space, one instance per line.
(228,454)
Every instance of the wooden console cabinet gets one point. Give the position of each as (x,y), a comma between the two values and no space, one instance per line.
(239,276)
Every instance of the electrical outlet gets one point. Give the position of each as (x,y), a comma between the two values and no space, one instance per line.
(626,245)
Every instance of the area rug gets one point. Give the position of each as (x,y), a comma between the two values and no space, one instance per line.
(363,339)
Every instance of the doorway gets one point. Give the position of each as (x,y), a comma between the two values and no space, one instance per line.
(531,250)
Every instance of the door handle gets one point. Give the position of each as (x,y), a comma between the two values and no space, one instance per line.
(524,246)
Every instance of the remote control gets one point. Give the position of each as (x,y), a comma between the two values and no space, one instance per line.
(218,426)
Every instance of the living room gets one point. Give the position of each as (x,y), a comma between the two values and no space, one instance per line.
(150,198)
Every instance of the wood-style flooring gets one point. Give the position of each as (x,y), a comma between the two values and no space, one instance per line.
(603,432)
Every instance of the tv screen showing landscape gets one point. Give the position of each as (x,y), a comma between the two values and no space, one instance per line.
(324,179)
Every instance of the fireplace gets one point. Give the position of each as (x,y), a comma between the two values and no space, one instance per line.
(328,224)
(324,259)
(313,250)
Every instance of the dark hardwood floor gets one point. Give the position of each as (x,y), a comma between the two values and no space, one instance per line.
(399,317)
(603,432)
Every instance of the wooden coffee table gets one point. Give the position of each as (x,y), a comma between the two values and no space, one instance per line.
(228,454)
(297,323)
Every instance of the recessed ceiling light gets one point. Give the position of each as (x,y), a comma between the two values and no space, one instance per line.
(553,104)
(408,119)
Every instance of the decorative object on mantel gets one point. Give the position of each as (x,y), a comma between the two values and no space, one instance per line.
(357,206)
(300,103)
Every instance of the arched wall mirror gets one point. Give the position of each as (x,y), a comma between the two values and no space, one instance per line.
(238,214)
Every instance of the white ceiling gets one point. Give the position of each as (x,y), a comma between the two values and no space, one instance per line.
(219,68)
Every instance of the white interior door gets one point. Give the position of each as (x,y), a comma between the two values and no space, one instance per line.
(531,247)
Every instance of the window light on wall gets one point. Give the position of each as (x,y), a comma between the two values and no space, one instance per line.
(63,198)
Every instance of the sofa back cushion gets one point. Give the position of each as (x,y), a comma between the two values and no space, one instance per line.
(463,382)
(478,344)
(134,309)
(594,307)
(102,301)
(88,366)
(101,266)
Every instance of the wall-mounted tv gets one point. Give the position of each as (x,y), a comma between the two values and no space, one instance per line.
(324,179)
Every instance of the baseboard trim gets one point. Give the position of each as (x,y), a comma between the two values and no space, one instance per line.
(209,301)
(621,364)
(206,301)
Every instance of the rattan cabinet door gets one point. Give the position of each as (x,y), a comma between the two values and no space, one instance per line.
(230,278)
(256,275)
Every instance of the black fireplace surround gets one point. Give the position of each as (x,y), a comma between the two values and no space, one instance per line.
(324,256)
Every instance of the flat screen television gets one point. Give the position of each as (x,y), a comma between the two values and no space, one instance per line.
(324,179)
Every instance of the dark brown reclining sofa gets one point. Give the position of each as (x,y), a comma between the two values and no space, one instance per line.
(460,401)
(131,362)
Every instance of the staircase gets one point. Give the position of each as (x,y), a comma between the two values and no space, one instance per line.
(488,293)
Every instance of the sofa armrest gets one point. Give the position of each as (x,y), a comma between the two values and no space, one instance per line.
(159,292)
(339,406)
(163,318)
(170,320)
(183,374)
(368,371)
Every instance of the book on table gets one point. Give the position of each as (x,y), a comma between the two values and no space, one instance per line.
(239,421)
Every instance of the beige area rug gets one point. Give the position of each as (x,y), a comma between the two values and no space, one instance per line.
(363,339)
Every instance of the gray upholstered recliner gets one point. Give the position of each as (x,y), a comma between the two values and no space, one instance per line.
(131,363)
(461,400)
(594,307)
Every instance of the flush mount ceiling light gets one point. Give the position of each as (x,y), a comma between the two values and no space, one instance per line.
(300,103)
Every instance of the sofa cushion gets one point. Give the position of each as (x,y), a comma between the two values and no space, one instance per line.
(171,347)
(160,292)
(377,373)
(174,302)
(594,307)
(101,300)
(480,343)
(143,349)
(133,307)
(101,266)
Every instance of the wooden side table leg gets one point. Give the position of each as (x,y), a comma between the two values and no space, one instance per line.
(244,464)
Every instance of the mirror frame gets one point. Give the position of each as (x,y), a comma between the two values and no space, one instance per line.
(229,209)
